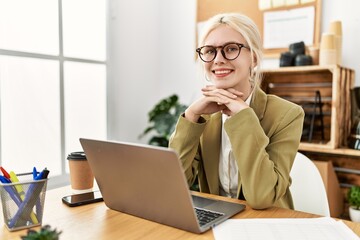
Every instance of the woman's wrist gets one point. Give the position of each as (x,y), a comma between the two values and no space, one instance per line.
(191,116)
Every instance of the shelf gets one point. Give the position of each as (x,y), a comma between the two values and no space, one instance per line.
(328,150)
(310,68)
(300,85)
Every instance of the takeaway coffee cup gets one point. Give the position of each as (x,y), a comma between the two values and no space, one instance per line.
(81,176)
(314,53)
(327,49)
(336,29)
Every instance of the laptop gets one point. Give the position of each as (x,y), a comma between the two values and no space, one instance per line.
(149,182)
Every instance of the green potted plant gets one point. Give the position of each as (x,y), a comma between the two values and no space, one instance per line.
(45,233)
(162,120)
(353,198)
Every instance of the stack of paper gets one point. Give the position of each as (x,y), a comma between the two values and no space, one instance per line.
(283,229)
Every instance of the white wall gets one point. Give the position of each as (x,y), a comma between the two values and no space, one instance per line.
(151,55)
(133,65)
(177,51)
(347,12)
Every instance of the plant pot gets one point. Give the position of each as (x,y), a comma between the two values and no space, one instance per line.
(354,214)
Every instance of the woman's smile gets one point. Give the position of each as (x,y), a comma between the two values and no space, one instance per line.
(222,72)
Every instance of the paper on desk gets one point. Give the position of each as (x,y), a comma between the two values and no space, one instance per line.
(284,229)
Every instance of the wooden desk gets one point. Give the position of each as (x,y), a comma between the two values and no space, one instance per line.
(96,221)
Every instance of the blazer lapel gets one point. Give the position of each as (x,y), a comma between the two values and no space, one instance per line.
(258,102)
(211,151)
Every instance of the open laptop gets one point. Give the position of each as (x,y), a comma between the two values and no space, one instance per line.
(149,182)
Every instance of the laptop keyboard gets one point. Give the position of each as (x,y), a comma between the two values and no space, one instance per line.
(206,216)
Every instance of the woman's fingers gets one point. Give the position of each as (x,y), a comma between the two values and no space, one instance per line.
(235,92)
(229,93)
(217,98)
(219,93)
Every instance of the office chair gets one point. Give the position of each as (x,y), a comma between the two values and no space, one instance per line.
(307,188)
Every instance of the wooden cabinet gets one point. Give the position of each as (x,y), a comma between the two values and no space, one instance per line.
(303,85)
(333,83)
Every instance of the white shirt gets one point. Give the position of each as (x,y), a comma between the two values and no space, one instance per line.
(228,169)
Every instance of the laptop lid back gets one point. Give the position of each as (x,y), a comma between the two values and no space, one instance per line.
(143,181)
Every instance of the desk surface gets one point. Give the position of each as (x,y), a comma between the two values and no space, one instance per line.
(96,221)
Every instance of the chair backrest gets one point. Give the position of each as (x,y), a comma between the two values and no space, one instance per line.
(307,188)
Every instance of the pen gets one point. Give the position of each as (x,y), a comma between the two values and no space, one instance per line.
(45,174)
(6,174)
(35,173)
(21,192)
(10,190)
(42,175)
(32,196)
(3,179)
(19,188)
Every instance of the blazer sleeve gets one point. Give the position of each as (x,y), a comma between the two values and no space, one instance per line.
(185,141)
(265,159)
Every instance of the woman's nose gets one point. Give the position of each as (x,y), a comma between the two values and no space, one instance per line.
(219,58)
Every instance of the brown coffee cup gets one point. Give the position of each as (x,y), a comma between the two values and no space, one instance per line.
(336,29)
(327,54)
(327,41)
(314,53)
(81,176)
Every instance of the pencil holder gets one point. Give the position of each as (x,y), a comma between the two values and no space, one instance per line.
(23,202)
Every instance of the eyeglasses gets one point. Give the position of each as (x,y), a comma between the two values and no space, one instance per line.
(229,51)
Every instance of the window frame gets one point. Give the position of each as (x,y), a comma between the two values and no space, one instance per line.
(63,178)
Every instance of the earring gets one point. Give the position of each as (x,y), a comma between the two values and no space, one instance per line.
(206,78)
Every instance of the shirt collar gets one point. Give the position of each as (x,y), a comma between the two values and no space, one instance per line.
(248,100)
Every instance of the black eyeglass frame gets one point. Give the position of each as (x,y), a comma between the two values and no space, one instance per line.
(240,45)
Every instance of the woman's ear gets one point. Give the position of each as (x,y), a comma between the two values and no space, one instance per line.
(254,62)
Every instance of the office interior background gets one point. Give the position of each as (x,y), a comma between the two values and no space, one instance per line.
(94,68)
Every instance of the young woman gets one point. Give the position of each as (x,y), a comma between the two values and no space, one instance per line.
(238,141)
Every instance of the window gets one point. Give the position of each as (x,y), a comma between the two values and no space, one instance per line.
(52,82)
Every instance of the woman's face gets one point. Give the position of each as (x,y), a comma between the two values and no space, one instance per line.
(225,73)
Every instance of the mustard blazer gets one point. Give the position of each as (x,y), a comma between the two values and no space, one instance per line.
(264,140)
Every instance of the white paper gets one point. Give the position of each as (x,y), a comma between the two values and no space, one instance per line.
(264,4)
(278,3)
(307,1)
(281,28)
(292,2)
(284,229)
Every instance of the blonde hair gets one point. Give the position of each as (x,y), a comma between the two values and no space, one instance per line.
(248,29)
